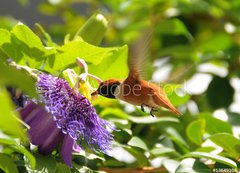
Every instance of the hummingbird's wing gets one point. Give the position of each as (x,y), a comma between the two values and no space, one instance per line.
(138,53)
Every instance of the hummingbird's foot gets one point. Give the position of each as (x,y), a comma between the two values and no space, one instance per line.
(153,110)
(142,107)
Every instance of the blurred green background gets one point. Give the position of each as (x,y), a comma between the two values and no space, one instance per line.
(191,43)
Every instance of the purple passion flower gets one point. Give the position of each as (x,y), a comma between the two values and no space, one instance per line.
(68,118)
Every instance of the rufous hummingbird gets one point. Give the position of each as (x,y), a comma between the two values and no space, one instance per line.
(135,90)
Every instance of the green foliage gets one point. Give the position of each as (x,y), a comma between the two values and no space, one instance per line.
(14,146)
(228,142)
(62,168)
(9,117)
(93,35)
(193,166)
(7,164)
(43,164)
(137,142)
(195,131)
(216,158)
(214,125)
(183,35)
(9,75)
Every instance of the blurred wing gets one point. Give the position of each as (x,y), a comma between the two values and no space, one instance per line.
(138,53)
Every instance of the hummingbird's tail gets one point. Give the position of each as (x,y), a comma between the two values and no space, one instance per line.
(173,109)
(162,100)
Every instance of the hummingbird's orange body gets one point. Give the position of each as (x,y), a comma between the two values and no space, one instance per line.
(137,92)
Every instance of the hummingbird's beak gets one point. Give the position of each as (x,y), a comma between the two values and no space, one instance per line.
(94,95)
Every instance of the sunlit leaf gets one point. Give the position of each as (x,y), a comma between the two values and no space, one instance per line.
(228,142)
(177,100)
(195,131)
(137,142)
(213,157)
(193,166)
(205,149)
(164,151)
(7,164)
(137,153)
(29,47)
(214,125)
(104,60)
(114,64)
(5,36)
(114,112)
(8,118)
(170,164)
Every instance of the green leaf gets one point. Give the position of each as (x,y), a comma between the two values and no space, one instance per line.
(28,45)
(6,45)
(195,131)
(102,61)
(206,149)
(214,125)
(48,38)
(8,118)
(152,120)
(93,30)
(44,164)
(139,155)
(193,166)
(7,164)
(220,92)
(25,34)
(216,42)
(177,100)
(228,142)
(173,27)
(16,78)
(170,88)
(116,112)
(213,157)
(113,163)
(62,168)
(162,151)
(174,135)
(18,148)
(170,164)
(137,142)
(5,36)
(113,64)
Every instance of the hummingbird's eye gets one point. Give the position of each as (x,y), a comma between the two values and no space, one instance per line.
(108,90)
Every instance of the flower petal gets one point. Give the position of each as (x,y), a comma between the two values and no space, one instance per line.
(66,150)
(51,142)
(26,110)
(43,130)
